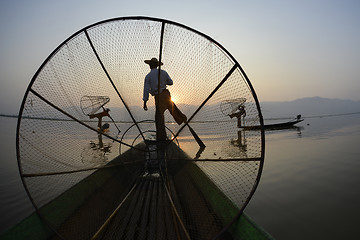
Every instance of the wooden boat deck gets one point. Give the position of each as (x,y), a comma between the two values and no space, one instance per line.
(181,203)
(147,214)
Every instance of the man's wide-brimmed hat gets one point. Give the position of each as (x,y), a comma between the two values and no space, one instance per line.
(153,61)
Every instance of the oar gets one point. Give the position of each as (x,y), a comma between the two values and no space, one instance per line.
(115,124)
(198,140)
(113,121)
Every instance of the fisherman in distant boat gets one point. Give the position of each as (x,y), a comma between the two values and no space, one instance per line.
(162,99)
(99,116)
(238,114)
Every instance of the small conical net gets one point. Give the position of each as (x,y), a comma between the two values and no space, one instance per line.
(91,104)
(93,173)
(231,106)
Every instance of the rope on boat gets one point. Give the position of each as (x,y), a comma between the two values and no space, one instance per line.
(101,229)
(175,211)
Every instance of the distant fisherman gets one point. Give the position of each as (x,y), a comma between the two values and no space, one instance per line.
(241,112)
(104,113)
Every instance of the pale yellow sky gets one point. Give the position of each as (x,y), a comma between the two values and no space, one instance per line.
(288,49)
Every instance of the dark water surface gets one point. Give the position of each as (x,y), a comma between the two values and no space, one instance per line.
(309,188)
(14,203)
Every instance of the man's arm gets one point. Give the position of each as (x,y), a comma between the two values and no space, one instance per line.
(169,81)
(146,92)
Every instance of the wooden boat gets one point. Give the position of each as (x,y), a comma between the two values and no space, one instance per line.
(157,206)
(275,126)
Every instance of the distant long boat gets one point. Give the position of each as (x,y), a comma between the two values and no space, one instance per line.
(274,126)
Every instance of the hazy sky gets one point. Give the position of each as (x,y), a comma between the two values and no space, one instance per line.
(289,49)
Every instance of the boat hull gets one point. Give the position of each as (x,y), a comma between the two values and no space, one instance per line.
(147,213)
(275,126)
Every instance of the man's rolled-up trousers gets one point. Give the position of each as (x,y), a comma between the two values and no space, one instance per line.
(164,103)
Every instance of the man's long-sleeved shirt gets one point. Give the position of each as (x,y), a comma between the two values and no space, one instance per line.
(151,82)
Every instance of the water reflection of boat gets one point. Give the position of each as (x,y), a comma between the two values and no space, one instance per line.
(275,126)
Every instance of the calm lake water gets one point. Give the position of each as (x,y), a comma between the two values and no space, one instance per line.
(309,187)
(311,179)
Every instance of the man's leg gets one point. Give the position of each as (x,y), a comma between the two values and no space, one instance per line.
(99,122)
(177,114)
(173,109)
(160,124)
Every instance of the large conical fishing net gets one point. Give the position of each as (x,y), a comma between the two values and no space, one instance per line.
(87,150)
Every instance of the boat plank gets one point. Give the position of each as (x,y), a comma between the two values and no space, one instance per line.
(137,213)
(170,221)
(178,207)
(145,218)
(152,219)
(160,226)
(118,226)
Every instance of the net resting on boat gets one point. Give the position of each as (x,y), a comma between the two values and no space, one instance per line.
(88,153)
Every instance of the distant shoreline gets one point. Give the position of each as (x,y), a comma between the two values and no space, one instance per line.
(9,116)
(270,118)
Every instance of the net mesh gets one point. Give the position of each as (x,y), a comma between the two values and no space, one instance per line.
(91,104)
(77,174)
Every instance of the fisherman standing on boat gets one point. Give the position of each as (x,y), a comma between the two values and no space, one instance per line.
(99,116)
(241,112)
(162,99)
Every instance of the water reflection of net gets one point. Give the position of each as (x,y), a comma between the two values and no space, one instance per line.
(107,59)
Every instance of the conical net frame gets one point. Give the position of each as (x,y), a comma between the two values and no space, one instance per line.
(231,106)
(91,104)
(60,149)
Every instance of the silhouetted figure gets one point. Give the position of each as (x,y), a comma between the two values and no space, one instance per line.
(163,99)
(99,116)
(241,112)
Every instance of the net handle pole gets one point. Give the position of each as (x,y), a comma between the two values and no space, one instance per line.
(198,140)
(108,220)
(207,99)
(160,58)
(111,81)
